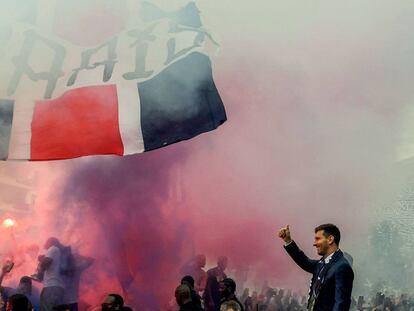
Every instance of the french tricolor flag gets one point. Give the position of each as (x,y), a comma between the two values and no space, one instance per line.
(142,89)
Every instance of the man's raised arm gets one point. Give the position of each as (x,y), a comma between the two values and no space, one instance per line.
(293,250)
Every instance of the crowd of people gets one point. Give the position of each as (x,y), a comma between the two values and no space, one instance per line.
(59,271)
(209,291)
(274,299)
(384,302)
(214,291)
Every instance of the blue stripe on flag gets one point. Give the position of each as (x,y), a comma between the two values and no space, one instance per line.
(180,102)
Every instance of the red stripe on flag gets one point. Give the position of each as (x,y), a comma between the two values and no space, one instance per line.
(81,122)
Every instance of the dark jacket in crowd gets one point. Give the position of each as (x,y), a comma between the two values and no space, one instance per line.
(190,306)
(336,285)
(212,292)
(195,297)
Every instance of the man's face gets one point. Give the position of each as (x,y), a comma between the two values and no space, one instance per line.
(49,243)
(203,262)
(109,304)
(222,264)
(322,243)
(25,287)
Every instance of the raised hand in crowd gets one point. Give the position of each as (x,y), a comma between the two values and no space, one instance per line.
(284,234)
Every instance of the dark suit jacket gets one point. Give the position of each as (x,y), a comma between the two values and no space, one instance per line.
(212,292)
(335,292)
(191,306)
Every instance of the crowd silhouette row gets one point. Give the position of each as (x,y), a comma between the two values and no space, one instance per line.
(59,272)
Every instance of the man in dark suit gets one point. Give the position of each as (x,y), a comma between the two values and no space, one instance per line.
(212,292)
(332,279)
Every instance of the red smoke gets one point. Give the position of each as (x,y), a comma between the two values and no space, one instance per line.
(144,216)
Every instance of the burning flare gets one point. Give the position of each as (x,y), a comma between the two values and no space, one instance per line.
(8,223)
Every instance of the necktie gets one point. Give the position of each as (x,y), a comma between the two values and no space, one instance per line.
(315,286)
(319,278)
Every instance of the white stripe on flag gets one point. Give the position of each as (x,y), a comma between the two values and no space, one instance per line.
(129,117)
(21,133)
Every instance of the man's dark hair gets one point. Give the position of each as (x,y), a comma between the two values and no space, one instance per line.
(26,279)
(118,300)
(188,279)
(230,285)
(19,302)
(52,241)
(330,229)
